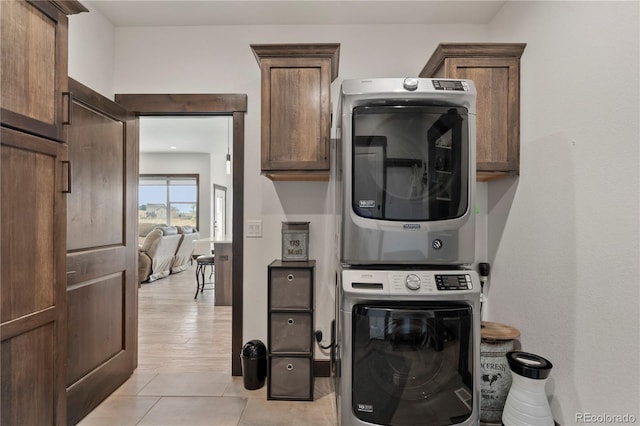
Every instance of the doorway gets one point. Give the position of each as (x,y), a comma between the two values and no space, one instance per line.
(235,106)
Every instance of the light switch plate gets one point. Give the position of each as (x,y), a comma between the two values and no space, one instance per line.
(254,229)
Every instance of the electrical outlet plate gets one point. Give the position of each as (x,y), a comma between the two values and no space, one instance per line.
(254,229)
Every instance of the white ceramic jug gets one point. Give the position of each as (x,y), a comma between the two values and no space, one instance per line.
(526,403)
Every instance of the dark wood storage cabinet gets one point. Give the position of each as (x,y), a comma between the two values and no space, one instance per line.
(33,165)
(495,70)
(296,108)
(290,330)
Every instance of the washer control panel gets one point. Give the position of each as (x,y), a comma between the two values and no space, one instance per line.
(408,281)
(453,282)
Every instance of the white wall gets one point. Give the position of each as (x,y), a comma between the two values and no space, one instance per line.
(564,235)
(91,50)
(177,163)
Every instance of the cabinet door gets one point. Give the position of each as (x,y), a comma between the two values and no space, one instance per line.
(34,67)
(497,107)
(33,304)
(295,114)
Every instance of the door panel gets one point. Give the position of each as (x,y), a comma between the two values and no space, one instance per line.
(26,286)
(97,158)
(94,305)
(30,387)
(496,83)
(102,250)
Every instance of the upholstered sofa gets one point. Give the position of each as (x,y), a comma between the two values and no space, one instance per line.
(157,252)
(164,250)
(144,228)
(185,248)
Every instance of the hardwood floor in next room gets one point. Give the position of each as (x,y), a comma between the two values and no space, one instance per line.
(184,370)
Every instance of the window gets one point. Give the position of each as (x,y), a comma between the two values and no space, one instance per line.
(168,199)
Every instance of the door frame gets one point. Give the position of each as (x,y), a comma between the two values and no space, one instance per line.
(234,105)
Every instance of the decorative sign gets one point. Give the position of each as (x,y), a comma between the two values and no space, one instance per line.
(295,241)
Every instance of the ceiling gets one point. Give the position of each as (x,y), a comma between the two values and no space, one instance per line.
(126,13)
(197,134)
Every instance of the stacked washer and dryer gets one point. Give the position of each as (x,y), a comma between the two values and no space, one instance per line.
(407,348)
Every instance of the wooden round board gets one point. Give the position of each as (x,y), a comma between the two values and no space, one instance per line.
(496,331)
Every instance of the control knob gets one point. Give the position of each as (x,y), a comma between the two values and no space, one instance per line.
(412,282)
(410,84)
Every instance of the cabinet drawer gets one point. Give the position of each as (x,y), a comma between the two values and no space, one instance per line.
(290,378)
(290,288)
(290,332)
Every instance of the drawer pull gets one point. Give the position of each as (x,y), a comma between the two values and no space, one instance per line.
(68,164)
(289,367)
(290,321)
(290,277)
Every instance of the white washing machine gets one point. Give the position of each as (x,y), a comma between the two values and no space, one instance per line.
(408,347)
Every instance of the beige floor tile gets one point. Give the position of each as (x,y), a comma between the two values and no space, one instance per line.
(322,387)
(120,410)
(236,388)
(136,382)
(260,412)
(187,384)
(194,411)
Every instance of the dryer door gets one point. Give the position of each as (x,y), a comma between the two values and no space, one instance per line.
(413,365)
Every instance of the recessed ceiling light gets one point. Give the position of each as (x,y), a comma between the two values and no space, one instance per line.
(173,147)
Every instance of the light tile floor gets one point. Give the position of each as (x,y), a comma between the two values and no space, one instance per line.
(184,370)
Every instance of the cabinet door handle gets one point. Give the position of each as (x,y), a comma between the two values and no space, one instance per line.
(68,189)
(66,119)
(289,367)
(290,321)
(290,277)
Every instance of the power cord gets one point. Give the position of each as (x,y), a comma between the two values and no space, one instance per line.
(484,269)
(319,339)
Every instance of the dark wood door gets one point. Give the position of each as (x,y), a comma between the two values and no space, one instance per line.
(101,249)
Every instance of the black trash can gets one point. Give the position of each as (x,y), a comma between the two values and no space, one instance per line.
(254,364)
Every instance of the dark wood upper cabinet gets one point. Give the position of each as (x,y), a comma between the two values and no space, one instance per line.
(296,108)
(495,70)
(34,65)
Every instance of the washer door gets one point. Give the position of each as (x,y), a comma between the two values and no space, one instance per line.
(412,365)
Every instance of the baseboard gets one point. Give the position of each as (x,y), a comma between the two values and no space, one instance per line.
(322,368)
